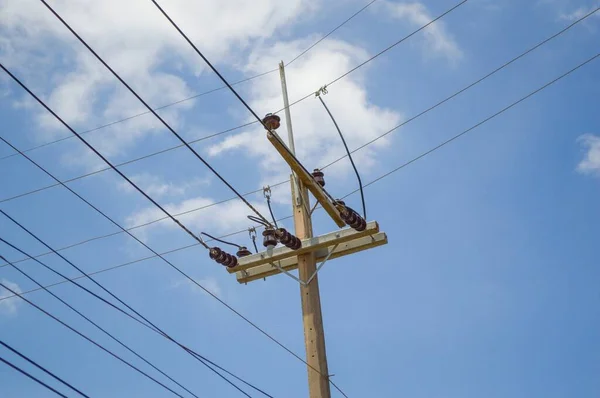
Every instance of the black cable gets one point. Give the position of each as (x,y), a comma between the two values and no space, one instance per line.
(148,324)
(258,220)
(196,96)
(141,191)
(360,185)
(20,83)
(89,339)
(526,52)
(220,240)
(18,369)
(114,267)
(132,91)
(40,367)
(271,211)
(324,167)
(96,325)
(331,32)
(134,237)
(229,86)
(231,129)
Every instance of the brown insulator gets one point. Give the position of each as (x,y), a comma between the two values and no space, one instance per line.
(269,238)
(243,252)
(230,261)
(271,121)
(353,219)
(214,252)
(288,239)
(319,177)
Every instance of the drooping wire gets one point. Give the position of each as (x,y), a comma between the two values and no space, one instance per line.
(267,194)
(258,220)
(43,369)
(91,322)
(89,339)
(23,372)
(198,357)
(156,115)
(220,240)
(360,185)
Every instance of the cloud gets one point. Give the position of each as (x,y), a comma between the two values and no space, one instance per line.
(591,160)
(580,12)
(9,306)
(156,187)
(316,140)
(221,218)
(439,41)
(139,43)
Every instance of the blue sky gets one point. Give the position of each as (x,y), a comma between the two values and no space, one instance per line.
(488,286)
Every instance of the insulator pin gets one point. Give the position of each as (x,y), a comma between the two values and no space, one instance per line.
(288,239)
(222,257)
(319,177)
(243,252)
(271,121)
(269,238)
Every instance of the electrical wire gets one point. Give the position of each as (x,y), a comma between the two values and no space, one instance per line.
(89,339)
(360,185)
(506,64)
(457,93)
(18,369)
(230,129)
(164,123)
(422,155)
(149,325)
(96,325)
(134,237)
(220,240)
(43,369)
(271,211)
(196,96)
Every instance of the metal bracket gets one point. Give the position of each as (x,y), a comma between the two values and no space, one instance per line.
(300,281)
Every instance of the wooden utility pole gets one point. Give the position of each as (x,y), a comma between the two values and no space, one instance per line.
(312,318)
(361,235)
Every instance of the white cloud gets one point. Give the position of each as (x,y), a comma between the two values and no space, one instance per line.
(439,41)
(139,43)
(580,12)
(591,160)
(317,142)
(9,306)
(156,187)
(221,218)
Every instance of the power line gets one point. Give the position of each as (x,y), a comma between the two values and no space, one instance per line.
(224,131)
(96,325)
(18,369)
(194,97)
(394,170)
(89,339)
(132,91)
(360,185)
(40,367)
(134,237)
(148,325)
(506,64)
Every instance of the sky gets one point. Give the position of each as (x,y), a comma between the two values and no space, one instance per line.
(488,285)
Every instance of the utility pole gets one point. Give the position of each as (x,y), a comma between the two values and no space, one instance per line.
(312,318)
(302,250)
